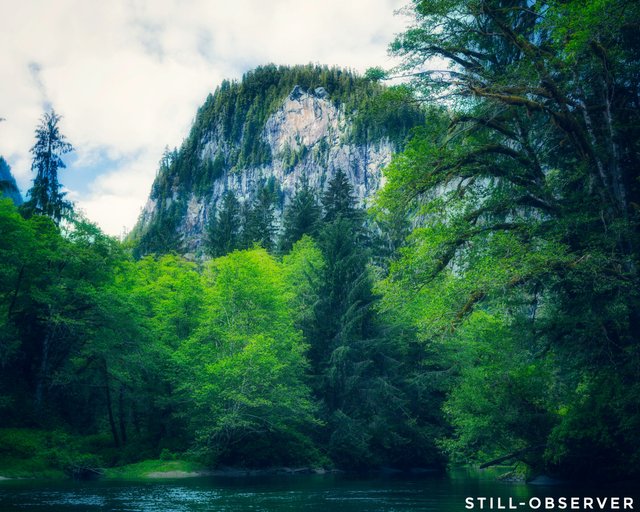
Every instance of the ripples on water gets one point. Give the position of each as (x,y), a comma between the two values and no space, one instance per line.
(308,493)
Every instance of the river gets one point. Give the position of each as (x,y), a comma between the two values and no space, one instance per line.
(321,493)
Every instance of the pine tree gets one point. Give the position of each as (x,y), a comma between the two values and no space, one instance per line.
(338,199)
(344,335)
(259,220)
(302,217)
(224,234)
(45,197)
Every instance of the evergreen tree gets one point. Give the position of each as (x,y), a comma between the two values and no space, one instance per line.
(259,220)
(338,199)
(8,187)
(356,373)
(302,217)
(45,197)
(223,234)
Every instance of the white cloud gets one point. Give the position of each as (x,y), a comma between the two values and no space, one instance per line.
(128,75)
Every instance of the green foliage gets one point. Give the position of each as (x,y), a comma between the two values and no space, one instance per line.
(141,470)
(392,113)
(503,398)
(232,121)
(338,200)
(359,371)
(259,219)
(244,366)
(302,217)
(31,453)
(526,235)
(45,197)
(8,187)
(224,229)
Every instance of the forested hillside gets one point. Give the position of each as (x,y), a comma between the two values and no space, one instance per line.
(484,309)
(8,187)
(258,139)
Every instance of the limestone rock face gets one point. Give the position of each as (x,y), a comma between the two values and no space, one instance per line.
(308,136)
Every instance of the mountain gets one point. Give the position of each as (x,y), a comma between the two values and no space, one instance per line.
(8,187)
(275,127)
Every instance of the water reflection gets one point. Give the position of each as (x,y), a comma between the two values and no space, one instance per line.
(309,493)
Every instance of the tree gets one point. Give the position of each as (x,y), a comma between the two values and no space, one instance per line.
(338,199)
(357,369)
(302,217)
(524,188)
(243,368)
(224,230)
(45,197)
(259,220)
(8,185)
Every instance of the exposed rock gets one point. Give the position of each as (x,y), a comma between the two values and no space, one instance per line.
(307,124)
(308,135)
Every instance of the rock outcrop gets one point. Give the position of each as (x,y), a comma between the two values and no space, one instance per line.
(305,135)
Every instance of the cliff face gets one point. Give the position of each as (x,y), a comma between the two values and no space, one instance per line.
(306,134)
(8,187)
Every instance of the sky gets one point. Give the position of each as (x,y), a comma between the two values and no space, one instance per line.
(128,76)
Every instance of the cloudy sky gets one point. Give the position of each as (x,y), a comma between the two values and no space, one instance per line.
(128,76)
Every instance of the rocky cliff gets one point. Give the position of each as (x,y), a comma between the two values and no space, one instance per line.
(274,128)
(8,187)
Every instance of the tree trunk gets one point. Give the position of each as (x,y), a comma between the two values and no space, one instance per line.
(44,370)
(121,417)
(107,391)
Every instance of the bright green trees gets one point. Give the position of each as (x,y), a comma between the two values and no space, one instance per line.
(167,294)
(244,366)
(45,197)
(523,192)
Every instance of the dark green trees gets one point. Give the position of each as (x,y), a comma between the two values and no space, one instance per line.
(224,229)
(45,197)
(358,370)
(525,187)
(259,219)
(8,187)
(302,217)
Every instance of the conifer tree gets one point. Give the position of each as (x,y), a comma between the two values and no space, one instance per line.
(259,220)
(338,199)
(343,333)
(302,217)
(224,233)
(45,197)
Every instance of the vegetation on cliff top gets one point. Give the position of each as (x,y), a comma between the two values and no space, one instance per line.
(236,113)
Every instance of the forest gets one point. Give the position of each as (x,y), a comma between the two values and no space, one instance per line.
(485,308)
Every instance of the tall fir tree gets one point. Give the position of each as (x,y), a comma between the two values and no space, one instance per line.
(224,230)
(259,220)
(302,217)
(338,200)
(344,334)
(45,197)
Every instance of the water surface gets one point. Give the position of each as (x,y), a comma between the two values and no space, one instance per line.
(321,493)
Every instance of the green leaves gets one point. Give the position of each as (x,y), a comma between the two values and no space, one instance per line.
(45,197)
(523,235)
(243,368)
